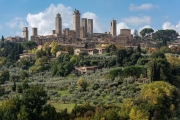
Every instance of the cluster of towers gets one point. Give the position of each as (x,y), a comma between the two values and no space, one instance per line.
(86,27)
(82,27)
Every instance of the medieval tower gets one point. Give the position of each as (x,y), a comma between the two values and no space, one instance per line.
(84,24)
(58,24)
(90,26)
(76,22)
(25,33)
(34,32)
(113,27)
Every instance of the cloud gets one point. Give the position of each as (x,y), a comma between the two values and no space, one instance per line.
(0,27)
(98,27)
(45,21)
(16,22)
(146,26)
(136,21)
(146,6)
(121,25)
(18,33)
(168,25)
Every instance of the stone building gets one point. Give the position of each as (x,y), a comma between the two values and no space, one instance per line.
(19,39)
(58,24)
(84,24)
(76,22)
(113,27)
(40,39)
(34,32)
(69,33)
(16,39)
(90,27)
(124,38)
(126,32)
(25,33)
(82,32)
(89,51)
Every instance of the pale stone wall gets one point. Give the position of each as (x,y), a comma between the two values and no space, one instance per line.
(113,27)
(90,26)
(126,32)
(25,33)
(84,24)
(34,32)
(76,22)
(82,32)
(58,24)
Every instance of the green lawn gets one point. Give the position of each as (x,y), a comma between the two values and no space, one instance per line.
(64,92)
(61,106)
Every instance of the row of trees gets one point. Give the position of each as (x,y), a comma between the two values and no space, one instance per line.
(158,100)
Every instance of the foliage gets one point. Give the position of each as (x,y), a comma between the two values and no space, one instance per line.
(23,74)
(54,48)
(145,31)
(82,83)
(161,98)
(28,45)
(10,50)
(4,76)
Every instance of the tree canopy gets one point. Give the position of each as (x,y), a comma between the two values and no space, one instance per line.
(146,31)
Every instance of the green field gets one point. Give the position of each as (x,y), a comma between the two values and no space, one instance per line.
(61,106)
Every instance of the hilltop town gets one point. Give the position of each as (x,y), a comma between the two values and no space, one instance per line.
(83,39)
(81,75)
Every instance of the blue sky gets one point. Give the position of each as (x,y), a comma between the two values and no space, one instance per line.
(132,14)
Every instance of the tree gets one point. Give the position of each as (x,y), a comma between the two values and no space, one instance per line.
(4,76)
(138,48)
(39,53)
(25,84)
(121,55)
(9,110)
(160,97)
(14,86)
(70,49)
(54,48)
(2,39)
(23,74)
(82,83)
(146,31)
(28,45)
(135,34)
(48,113)
(34,98)
(46,48)
(111,114)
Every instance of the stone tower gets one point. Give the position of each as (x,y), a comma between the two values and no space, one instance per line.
(25,33)
(58,25)
(76,22)
(34,32)
(126,32)
(113,27)
(84,24)
(82,32)
(90,26)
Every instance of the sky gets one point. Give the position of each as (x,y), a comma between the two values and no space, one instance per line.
(132,14)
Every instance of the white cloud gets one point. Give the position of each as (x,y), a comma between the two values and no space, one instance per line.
(168,25)
(18,33)
(16,22)
(98,27)
(146,26)
(146,6)
(121,25)
(45,21)
(136,21)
